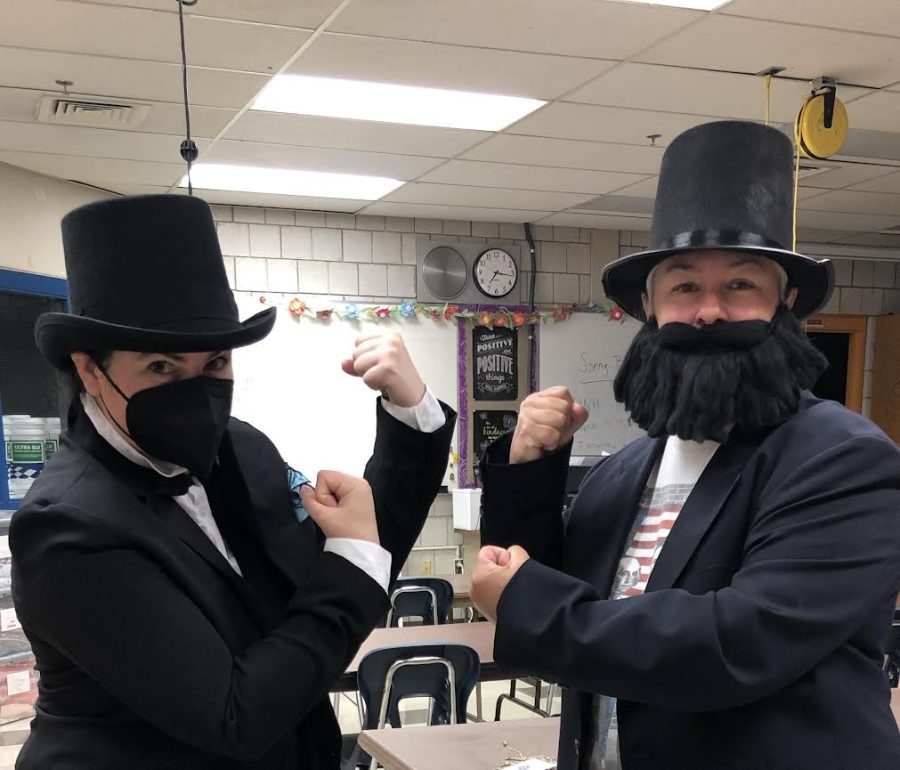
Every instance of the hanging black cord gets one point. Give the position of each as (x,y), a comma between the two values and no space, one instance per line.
(188,147)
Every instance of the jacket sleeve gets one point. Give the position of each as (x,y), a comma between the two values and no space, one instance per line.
(822,552)
(522,504)
(405,473)
(119,617)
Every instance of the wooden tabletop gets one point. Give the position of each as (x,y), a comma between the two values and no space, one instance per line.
(480,636)
(461,585)
(474,746)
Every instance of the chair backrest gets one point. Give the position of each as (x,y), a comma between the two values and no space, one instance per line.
(446,673)
(429,598)
(429,678)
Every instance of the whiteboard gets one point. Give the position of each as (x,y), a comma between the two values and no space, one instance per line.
(584,353)
(291,386)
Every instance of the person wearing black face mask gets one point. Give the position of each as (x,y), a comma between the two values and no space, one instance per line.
(189,597)
(720,594)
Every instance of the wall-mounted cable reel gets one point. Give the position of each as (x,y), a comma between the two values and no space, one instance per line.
(821,127)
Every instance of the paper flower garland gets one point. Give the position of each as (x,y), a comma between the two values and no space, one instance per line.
(501,316)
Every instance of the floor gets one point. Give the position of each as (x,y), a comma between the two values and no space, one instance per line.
(14,732)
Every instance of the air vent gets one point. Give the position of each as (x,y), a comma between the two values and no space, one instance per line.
(71,111)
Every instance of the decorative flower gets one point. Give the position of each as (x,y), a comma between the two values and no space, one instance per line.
(518,318)
(616,314)
(485,319)
(383,312)
(262,299)
(352,311)
(451,311)
(500,320)
(324,315)
(297,307)
(407,309)
(434,313)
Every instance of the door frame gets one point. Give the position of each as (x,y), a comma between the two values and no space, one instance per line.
(856,326)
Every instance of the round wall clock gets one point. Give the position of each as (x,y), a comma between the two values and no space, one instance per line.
(495,273)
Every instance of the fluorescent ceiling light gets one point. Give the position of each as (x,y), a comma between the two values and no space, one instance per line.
(281,181)
(697,5)
(389,103)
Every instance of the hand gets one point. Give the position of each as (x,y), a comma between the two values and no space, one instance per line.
(342,506)
(383,362)
(493,571)
(547,420)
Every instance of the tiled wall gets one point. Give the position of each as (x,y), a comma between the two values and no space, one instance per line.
(373,258)
(867,287)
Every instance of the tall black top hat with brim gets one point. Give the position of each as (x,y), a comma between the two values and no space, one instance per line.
(145,273)
(725,186)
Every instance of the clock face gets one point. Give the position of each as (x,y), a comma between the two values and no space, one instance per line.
(495,273)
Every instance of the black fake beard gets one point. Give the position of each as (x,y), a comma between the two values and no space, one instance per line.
(699,383)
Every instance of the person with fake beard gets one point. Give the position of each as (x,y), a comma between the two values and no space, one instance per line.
(722,588)
(190,598)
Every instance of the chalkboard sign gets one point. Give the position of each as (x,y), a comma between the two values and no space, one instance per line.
(490,424)
(495,370)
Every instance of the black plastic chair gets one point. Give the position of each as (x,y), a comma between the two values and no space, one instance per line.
(445,673)
(429,598)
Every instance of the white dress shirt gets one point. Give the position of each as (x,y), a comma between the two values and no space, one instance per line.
(427,416)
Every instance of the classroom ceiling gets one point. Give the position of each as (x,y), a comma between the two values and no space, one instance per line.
(612,73)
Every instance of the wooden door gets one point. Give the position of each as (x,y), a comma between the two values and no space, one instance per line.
(886,382)
(842,338)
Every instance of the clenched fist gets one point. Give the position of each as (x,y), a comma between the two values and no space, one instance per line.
(383,362)
(547,420)
(493,571)
(342,506)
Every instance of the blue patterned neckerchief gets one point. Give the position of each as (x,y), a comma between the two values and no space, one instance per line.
(295,481)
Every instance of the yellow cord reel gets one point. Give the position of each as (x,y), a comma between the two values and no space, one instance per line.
(821,127)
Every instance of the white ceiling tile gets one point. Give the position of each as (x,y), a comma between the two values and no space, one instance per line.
(874,239)
(646,188)
(445,66)
(541,151)
(229,198)
(808,235)
(109,173)
(164,117)
(598,221)
(604,124)
(803,193)
(876,112)
(825,220)
(573,28)
(889,183)
(838,175)
(854,201)
(126,78)
(698,91)
(309,13)
(91,142)
(880,17)
(459,195)
(317,159)
(75,27)
(473,213)
(466,172)
(312,131)
(736,44)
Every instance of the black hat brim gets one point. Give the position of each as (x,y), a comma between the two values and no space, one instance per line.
(58,335)
(624,279)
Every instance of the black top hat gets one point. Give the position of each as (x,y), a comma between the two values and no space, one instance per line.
(724,185)
(145,273)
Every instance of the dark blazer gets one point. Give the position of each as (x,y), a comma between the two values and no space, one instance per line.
(152,651)
(758,644)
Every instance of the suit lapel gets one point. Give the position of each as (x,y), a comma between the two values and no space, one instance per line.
(703,505)
(620,497)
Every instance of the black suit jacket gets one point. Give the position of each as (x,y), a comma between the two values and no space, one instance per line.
(758,643)
(153,652)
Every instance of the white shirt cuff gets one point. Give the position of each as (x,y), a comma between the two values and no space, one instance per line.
(370,557)
(426,416)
